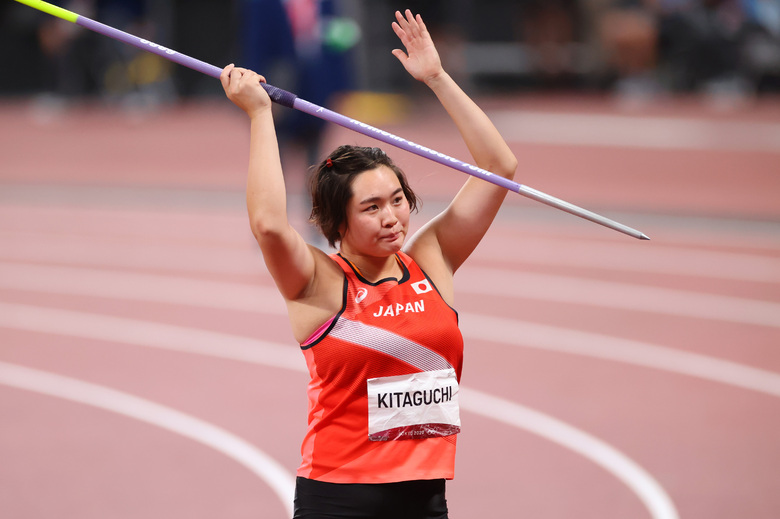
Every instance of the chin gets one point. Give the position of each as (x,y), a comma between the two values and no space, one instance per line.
(388,249)
(397,244)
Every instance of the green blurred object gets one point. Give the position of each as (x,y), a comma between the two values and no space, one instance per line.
(340,34)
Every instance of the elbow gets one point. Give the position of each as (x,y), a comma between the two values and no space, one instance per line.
(510,166)
(265,229)
(505,167)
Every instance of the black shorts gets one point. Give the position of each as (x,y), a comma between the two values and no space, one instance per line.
(422,499)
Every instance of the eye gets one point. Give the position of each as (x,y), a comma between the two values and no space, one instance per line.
(398,200)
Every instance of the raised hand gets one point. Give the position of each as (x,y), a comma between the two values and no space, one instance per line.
(242,86)
(421,59)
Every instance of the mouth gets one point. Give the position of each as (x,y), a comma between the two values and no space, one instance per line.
(391,237)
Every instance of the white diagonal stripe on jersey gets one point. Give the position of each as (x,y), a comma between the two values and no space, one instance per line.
(387,342)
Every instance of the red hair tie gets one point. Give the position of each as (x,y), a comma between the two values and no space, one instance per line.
(328,163)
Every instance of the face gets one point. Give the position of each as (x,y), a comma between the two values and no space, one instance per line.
(377,214)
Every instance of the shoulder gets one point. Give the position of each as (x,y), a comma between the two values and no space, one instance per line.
(412,267)
(325,279)
(321,300)
(425,252)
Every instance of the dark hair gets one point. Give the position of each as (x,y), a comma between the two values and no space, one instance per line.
(331,185)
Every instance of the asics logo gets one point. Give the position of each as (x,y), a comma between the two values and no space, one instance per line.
(362,293)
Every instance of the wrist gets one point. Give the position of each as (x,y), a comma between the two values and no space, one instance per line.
(436,79)
(259,113)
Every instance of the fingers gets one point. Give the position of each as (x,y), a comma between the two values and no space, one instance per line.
(233,77)
(419,21)
(230,77)
(409,27)
(411,24)
(407,23)
(224,77)
(244,88)
(401,55)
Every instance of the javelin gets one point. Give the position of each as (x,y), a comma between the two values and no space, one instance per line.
(288,99)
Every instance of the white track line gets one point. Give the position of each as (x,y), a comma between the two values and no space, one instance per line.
(124,253)
(473,326)
(494,282)
(522,334)
(624,131)
(658,259)
(272,473)
(240,258)
(260,299)
(137,332)
(619,296)
(132,286)
(191,340)
(630,473)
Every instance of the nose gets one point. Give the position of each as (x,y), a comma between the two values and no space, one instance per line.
(389,218)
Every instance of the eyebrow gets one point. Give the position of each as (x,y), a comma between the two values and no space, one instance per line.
(377,198)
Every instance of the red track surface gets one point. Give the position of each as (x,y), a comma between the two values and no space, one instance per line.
(605,377)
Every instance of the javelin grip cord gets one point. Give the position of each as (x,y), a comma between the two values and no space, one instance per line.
(291,100)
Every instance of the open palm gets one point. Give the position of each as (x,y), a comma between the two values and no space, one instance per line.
(421,59)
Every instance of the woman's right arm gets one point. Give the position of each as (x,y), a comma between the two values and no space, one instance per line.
(290,261)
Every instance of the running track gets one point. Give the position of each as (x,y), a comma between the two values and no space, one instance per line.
(147,370)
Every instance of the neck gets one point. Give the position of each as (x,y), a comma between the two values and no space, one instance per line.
(375,268)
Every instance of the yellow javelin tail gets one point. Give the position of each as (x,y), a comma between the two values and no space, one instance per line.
(53,10)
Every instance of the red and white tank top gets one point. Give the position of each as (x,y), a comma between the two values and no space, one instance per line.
(384,383)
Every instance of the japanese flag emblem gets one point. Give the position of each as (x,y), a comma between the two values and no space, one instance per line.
(421,287)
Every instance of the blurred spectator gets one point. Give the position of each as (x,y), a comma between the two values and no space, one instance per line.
(301,46)
(719,47)
(699,43)
(82,63)
(537,43)
(296,45)
(636,47)
(760,44)
(629,38)
(551,29)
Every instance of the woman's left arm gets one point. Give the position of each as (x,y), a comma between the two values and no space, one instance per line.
(454,234)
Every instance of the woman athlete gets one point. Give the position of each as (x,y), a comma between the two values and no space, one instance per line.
(375,321)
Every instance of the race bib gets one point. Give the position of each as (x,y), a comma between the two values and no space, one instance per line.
(415,406)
